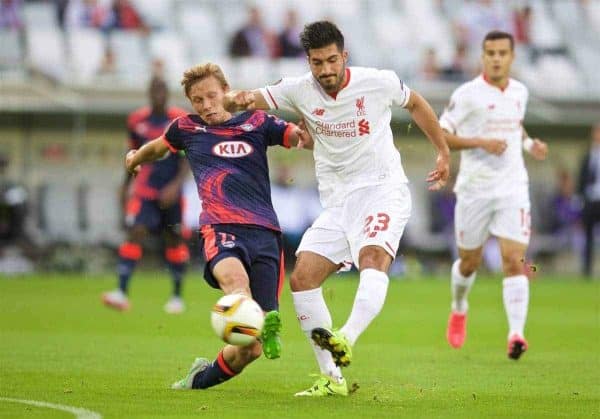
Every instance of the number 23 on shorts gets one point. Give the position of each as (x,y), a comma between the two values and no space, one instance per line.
(374,225)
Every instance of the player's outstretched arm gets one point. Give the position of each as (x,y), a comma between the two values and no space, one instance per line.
(244,100)
(534,146)
(426,119)
(491,145)
(151,151)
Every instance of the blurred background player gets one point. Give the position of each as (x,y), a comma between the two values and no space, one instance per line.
(492,186)
(361,182)
(240,231)
(152,202)
(589,189)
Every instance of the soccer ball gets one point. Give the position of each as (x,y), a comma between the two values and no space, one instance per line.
(237,319)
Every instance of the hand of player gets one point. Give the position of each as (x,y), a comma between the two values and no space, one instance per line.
(241,100)
(304,138)
(493,145)
(129,164)
(539,149)
(438,177)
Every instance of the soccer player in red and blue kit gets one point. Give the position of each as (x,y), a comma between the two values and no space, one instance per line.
(152,203)
(241,238)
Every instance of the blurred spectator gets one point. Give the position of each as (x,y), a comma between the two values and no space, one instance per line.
(565,218)
(289,38)
(253,39)
(13,210)
(430,69)
(522,24)
(85,14)
(459,69)
(10,14)
(476,18)
(123,15)
(589,189)
(108,66)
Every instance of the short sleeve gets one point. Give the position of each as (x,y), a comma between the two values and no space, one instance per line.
(455,113)
(173,137)
(277,131)
(398,91)
(283,94)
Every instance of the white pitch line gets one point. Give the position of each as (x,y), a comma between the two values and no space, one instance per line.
(80,413)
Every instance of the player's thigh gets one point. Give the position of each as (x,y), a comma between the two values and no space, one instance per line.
(513,222)
(472,219)
(267,271)
(375,218)
(225,241)
(231,275)
(325,237)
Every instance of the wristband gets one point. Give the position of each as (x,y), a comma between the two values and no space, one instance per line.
(527,144)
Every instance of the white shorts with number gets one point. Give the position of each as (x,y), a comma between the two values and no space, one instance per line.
(476,218)
(374,215)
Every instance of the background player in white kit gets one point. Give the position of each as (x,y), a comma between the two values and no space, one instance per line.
(362,187)
(484,120)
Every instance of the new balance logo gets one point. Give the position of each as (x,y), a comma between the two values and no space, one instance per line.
(363,127)
(318,112)
(360,106)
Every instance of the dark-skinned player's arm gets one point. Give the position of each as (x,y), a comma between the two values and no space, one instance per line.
(426,119)
(171,192)
(149,152)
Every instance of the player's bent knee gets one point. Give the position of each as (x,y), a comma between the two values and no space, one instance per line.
(468,265)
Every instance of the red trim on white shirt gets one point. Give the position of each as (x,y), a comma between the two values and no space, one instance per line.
(347,75)
(488,81)
(272,98)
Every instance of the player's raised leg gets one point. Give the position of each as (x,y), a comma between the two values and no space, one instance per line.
(232,279)
(515,292)
(374,262)
(309,273)
(464,270)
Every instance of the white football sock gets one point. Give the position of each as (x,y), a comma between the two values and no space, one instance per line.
(460,286)
(515,293)
(368,302)
(312,312)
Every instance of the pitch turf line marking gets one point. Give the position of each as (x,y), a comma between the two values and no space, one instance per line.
(79,412)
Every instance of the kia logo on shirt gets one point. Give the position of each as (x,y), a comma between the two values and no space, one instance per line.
(232,149)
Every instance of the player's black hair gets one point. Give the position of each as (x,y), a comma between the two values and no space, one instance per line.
(320,34)
(494,35)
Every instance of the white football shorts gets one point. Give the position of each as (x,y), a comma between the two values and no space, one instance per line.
(507,217)
(373,215)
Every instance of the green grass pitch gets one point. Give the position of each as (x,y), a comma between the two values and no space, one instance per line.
(58,344)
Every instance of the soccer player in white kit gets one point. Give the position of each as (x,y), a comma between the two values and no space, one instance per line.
(362,186)
(484,120)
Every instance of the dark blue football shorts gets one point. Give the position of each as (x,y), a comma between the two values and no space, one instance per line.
(260,251)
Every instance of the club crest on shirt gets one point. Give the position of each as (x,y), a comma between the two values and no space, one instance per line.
(232,149)
(360,106)
(247,127)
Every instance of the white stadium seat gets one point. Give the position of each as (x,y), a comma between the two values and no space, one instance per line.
(87,48)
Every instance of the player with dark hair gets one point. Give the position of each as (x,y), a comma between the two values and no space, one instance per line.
(362,186)
(152,201)
(240,234)
(484,121)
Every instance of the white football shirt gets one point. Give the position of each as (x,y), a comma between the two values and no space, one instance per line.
(354,146)
(479,109)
